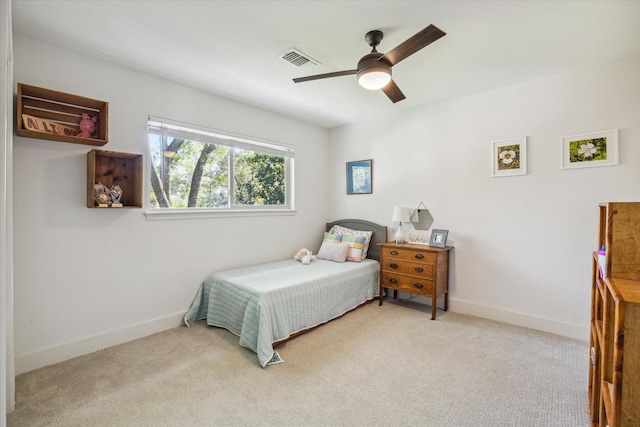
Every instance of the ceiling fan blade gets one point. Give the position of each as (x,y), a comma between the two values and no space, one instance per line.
(413,44)
(325,76)
(393,92)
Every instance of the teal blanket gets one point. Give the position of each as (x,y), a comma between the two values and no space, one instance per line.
(266,303)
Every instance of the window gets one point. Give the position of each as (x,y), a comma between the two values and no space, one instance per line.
(198,169)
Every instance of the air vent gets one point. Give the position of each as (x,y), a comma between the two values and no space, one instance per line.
(299,59)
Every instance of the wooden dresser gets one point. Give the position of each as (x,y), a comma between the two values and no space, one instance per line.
(416,269)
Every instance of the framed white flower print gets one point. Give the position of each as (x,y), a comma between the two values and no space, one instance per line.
(509,157)
(590,150)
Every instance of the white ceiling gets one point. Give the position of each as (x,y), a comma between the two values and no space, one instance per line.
(233,48)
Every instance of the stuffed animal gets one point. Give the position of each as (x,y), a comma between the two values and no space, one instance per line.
(305,256)
(87,126)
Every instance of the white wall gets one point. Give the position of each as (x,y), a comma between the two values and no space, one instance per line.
(523,243)
(87,278)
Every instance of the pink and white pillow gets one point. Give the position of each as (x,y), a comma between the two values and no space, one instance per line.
(344,231)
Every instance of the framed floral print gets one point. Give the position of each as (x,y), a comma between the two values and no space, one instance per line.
(590,150)
(509,157)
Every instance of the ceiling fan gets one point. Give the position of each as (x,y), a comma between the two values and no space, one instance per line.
(374,69)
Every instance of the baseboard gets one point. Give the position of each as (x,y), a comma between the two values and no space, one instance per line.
(59,353)
(519,319)
(511,317)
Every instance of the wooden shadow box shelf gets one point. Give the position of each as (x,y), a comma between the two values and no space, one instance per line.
(60,108)
(114,168)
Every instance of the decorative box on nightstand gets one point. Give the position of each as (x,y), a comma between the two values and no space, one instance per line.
(416,269)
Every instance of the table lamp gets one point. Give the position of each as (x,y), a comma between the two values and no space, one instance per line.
(401,215)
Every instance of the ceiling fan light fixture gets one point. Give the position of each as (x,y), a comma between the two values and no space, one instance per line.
(374,78)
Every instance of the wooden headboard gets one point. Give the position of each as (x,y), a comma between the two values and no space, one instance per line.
(379,233)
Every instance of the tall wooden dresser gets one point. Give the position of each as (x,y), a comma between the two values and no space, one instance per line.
(614,370)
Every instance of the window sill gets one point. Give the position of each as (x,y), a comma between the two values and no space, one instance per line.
(167,214)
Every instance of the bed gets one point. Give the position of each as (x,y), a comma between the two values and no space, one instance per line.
(270,303)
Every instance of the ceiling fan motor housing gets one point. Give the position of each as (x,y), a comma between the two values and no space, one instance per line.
(371,63)
(372,60)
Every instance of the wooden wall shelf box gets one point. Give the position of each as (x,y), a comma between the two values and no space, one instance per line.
(63,108)
(614,368)
(111,168)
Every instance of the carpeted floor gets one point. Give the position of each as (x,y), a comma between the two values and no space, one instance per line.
(375,366)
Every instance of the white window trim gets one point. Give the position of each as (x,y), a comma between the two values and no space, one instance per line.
(158,214)
(219,137)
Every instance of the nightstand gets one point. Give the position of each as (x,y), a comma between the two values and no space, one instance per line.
(416,269)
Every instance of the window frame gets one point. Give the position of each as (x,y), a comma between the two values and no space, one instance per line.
(162,126)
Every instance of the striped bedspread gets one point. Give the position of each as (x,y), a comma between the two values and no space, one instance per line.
(269,302)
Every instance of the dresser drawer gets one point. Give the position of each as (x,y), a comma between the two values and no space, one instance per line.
(414,285)
(410,268)
(394,253)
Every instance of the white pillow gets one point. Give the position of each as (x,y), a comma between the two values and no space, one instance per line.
(336,252)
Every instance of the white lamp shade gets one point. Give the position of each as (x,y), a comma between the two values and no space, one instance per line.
(374,79)
(401,215)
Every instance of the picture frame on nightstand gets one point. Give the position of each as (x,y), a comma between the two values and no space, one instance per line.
(438,238)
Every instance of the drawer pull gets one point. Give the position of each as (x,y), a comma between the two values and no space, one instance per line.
(419,256)
(393,265)
(394,252)
(419,269)
(392,280)
(418,285)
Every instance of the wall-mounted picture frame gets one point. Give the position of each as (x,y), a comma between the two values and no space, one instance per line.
(509,157)
(438,238)
(589,150)
(360,177)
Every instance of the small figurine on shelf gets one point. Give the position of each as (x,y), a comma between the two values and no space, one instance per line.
(116,194)
(87,126)
(102,195)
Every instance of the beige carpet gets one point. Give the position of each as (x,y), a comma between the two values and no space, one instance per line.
(375,366)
